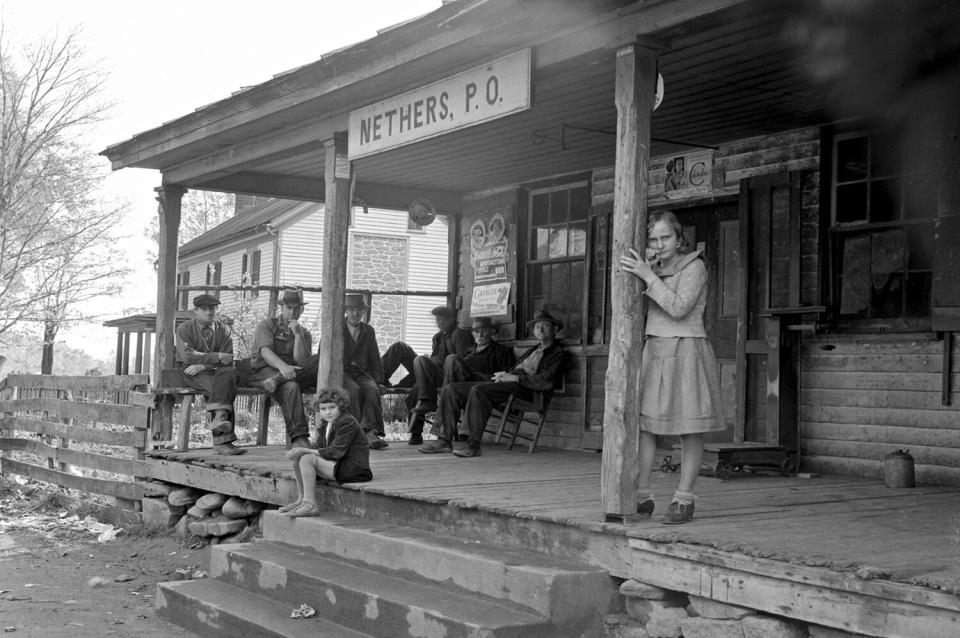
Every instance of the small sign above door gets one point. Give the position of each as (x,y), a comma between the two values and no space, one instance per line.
(480,94)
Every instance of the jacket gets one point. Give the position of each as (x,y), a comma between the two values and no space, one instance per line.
(193,347)
(362,355)
(549,374)
(346,443)
(680,299)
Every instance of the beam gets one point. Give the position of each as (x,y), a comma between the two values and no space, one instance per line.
(169,198)
(636,73)
(336,230)
(310,189)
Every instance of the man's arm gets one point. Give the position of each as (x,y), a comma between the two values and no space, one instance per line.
(302,342)
(188,348)
(551,367)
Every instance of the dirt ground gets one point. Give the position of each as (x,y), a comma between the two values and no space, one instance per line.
(58,579)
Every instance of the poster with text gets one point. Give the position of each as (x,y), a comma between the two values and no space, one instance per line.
(490,300)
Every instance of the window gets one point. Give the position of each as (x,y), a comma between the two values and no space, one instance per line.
(556,259)
(214,271)
(250,273)
(883,214)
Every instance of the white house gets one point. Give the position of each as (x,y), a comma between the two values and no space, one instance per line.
(275,243)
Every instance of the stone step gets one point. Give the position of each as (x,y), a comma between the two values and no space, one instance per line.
(216,609)
(372,600)
(566,592)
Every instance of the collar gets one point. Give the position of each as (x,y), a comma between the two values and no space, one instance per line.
(680,264)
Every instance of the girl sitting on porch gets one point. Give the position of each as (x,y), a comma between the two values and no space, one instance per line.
(343,455)
(680,381)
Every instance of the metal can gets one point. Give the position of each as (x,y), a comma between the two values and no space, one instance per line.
(898,469)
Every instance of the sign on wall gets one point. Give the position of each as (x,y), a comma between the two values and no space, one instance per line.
(480,94)
(490,300)
(688,174)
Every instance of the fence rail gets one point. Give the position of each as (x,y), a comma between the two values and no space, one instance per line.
(45,416)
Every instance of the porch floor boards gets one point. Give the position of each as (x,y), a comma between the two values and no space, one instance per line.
(841,523)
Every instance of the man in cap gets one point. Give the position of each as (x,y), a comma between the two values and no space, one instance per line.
(205,352)
(362,370)
(460,374)
(427,371)
(540,368)
(281,362)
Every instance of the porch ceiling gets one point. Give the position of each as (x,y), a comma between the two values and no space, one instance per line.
(728,74)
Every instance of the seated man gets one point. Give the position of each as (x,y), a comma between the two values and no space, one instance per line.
(540,368)
(205,352)
(427,371)
(281,363)
(462,373)
(362,370)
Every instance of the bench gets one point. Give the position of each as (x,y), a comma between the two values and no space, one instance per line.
(188,395)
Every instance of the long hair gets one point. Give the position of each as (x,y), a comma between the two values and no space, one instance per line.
(671,220)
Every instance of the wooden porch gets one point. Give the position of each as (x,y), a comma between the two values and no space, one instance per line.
(843,552)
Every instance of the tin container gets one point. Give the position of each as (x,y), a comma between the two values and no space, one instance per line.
(898,469)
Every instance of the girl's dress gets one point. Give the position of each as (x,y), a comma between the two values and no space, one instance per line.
(680,380)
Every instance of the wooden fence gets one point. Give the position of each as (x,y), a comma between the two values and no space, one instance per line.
(46,415)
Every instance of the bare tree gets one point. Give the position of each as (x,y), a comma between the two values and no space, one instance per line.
(53,228)
(200,212)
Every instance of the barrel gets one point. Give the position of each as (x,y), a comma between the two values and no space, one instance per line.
(898,469)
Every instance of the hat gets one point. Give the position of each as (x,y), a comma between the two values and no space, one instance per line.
(205,300)
(444,311)
(480,323)
(354,301)
(292,297)
(543,315)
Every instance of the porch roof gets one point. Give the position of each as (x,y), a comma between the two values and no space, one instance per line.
(728,67)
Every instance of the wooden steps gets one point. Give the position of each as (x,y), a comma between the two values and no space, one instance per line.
(386,580)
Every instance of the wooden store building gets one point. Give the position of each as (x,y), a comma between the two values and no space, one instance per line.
(547,132)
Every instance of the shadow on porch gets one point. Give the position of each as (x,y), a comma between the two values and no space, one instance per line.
(845,552)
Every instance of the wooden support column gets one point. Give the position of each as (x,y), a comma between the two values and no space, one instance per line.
(636,78)
(169,198)
(336,229)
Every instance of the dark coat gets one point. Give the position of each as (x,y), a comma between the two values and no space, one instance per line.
(363,355)
(550,371)
(458,341)
(346,443)
(494,358)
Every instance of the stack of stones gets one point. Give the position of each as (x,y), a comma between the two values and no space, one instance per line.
(653,612)
(216,517)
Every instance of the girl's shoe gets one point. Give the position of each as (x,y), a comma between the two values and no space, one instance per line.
(289,507)
(678,513)
(645,509)
(304,509)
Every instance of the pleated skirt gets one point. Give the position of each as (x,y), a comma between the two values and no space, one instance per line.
(680,386)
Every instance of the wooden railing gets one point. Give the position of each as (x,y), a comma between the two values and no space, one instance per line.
(67,420)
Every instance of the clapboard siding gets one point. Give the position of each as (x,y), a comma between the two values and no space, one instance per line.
(863,397)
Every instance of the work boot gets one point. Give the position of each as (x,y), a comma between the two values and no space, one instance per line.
(300,441)
(437,447)
(228,449)
(415,439)
(375,442)
(271,384)
(424,406)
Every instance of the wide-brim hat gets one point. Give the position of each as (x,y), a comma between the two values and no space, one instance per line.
(292,297)
(444,311)
(480,323)
(205,301)
(354,301)
(543,315)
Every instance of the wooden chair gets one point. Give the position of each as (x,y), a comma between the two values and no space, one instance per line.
(514,415)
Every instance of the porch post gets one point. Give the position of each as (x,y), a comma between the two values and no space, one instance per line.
(169,197)
(336,229)
(636,76)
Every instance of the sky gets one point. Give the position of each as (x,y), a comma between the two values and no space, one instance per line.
(164,59)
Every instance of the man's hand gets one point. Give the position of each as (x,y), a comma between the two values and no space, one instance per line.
(503,377)
(194,369)
(225,358)
(295,327)
(289,372)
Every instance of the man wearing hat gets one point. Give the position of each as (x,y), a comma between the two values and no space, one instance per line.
(540,368)
(362,370)
(205,352)
(460,374)
(281,362)
(427,371)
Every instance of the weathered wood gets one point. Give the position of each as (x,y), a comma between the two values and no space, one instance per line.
(636,74)
(336,228)
(870,450)
(77,383)
(169,198)
(876,399)
(855,380)
(904,436)
(132,415)
(73,432)
(67,456)
(889,416)
(256,488)
(120,489)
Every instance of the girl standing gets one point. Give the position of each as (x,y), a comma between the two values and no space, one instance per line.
(343,455)
(680,381)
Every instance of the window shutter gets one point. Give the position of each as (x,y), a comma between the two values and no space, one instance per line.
(217,271)
(945,293)
(255,271)
(185,295)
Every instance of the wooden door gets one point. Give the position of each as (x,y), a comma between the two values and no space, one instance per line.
(715,230)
